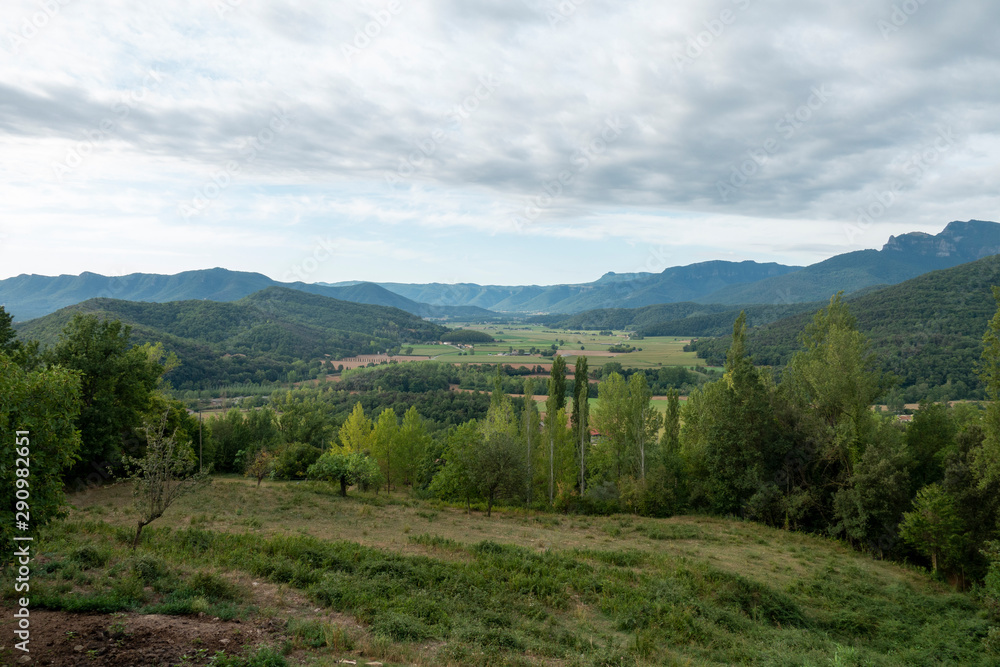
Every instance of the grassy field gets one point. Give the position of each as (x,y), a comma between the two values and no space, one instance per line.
(658,351)
(295,574)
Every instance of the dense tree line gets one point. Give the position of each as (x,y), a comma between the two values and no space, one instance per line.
(78,405)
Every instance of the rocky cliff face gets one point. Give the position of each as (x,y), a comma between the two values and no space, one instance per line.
(959,241)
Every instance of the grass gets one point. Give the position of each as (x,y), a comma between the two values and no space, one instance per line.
(521,588)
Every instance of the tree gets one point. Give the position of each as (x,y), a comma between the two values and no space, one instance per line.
(42,405)
(733,432)
(868,509)
(581,414)
(838,379)
(9,344)
(260,466)
(454,480)
(928,436)
(529,426)
(385,444)
(933,527)
(497,465)
(670,441)
(259,433)
(346,468)
(989,371)
(557,381)
(643,421)
(118,380)
(166,472)
(611,419)
(356,433)
(413,443)
(552,407)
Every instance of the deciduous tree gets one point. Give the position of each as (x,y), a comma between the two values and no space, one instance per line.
(167,471)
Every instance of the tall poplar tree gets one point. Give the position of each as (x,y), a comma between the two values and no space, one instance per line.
(557,381)
(581,414)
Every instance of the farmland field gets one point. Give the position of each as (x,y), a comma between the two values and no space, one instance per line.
(654,352)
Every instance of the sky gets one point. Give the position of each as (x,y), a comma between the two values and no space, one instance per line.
(488,141)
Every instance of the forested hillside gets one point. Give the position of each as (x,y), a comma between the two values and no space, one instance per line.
(676,319)
(926,331)
(256,339)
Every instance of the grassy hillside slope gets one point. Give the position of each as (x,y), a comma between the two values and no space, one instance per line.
(408,582)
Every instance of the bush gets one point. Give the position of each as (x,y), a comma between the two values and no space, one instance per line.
(147,568)
(89,556)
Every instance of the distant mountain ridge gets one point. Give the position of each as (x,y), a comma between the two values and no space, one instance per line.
(733,283)
(901,258)
(717,282)
(30,296)
(678,283)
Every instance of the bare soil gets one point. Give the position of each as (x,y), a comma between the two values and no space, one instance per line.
(131,640)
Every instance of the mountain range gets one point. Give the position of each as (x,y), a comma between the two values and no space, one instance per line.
(731,283)
(715,283)
(29,296)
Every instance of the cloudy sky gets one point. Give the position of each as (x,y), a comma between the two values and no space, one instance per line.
(491,141)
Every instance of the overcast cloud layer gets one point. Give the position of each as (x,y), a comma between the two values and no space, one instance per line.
(500,141)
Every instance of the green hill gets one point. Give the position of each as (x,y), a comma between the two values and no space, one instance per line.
(255,339)
(402,581)
(927,331)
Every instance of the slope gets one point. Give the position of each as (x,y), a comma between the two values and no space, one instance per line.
(927,330)
(403,581)
(257,338)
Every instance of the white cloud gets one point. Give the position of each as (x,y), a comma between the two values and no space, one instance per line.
(474,110)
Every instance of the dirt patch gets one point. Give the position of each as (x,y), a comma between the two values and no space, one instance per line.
(133,640)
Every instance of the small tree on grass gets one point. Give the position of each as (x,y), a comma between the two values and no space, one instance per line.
(347,468)
(498,467)
(932,527)
(260,466)
(164,474)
